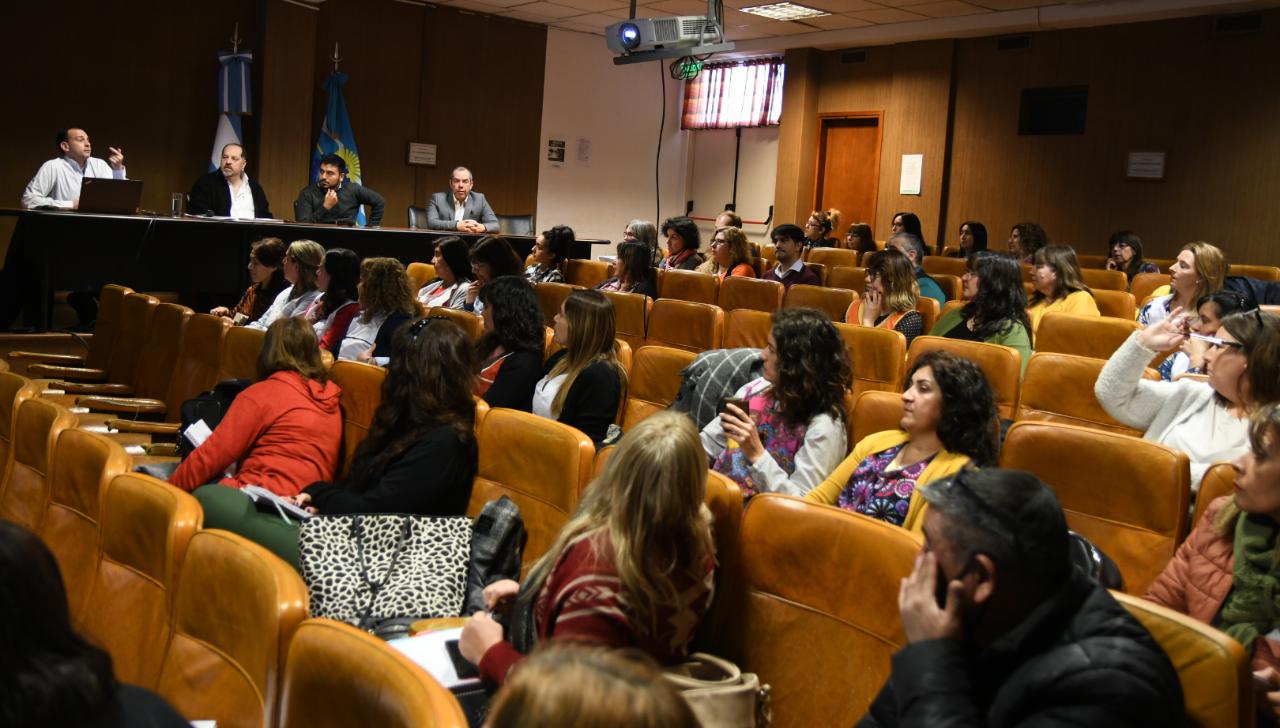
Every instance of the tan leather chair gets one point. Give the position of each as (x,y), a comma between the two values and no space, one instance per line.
(934,264)
(586,273)
(747,328)
(421,273)
(950,285)
(82,465)
(1001,364)
(831,301)
(950,306)
(1128,496)
(236,608)
(361,394)
(655,382)
(878,357)
(1106,280)
(849,278)
(819,270)
(630,314)
(685,325)
(687,285)
(24,493)
(929,311)
(724,500)
(874,411)
(341,676)
(1144,284)
(799,616)
(832,257)
(1059,388)
(1070,333)
(106,332)
(136,311)
(1261,272)
(469,322)
(551,297)
(626,359)
(754,293)
(1217,685)
(160,353)
(770,254)
(1117,304)
(1218,480)
(540,464)
(145,527)
(240,350)
(11,386)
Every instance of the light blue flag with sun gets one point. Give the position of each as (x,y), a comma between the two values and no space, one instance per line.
(336,136)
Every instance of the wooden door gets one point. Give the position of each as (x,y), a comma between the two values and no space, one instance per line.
(848,167)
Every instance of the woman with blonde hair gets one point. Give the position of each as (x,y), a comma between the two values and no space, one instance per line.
(730,255)
(301,262)
(891,294)
(817,230)
(1199,269)
(583,383)
(634,567)
(386,302)
(1058,284)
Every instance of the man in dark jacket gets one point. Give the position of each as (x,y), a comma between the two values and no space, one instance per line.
(334,198)
(1003,631)
(228,191)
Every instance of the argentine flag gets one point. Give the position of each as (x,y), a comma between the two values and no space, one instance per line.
(235,99)
(336,136)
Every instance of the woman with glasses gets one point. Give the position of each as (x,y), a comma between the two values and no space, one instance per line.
(1124,253)
(996,312)
(1189,359)
(889,301)
(1208,423)
(817,229)
(643,231)
(301,261)
(948,423)
(266,281)
(730,255)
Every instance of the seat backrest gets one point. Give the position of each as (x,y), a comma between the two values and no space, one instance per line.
(1072,333)
(770,254)
(797,616)
(342,676)
(82,465)
(819,270)
(1144,284)
(849,278)
(106,329)
(198,363)
(10,385)
(754,293)
(160,358)
(1261,272)
(24,494)
(1001,364)
(630,315)
(1128,496)
(831,301)
(417,217)
(545,486)
(472,324)
(934,264)
(1059,388)
(1213,668)
(1217,481)
(136,311)
(586,273)
(724,500)
(874,411)
(878,357)
(1107,280)
(685,325)
(950,285)
(361,394)
(146,525)
(832,257)
(655,382)
(1118,304)
(929,311)
(240,349)
(747,328)
(236,608)
(687,285)
(1092,261)
(421,273)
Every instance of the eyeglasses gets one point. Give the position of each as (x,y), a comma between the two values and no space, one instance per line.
(1216,343)
(417,326)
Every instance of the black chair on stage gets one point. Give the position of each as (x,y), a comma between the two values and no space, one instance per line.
(417,217)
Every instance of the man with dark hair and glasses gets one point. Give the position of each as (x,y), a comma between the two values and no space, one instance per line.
(1002,630)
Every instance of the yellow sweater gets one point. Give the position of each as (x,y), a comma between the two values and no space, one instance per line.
(943,464)
(1077,302)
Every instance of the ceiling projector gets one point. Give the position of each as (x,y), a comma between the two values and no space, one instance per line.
(646,39)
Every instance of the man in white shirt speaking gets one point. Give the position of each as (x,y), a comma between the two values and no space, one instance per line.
(57,183)
(227,191)
(461,209)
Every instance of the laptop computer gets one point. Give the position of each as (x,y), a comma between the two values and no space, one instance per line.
(110,196)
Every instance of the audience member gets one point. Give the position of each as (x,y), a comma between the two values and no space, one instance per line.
(1207,423)
(301,262)
(683,240)
(633,271)
(1058,284)
(948,423)
(1225,573)
(1124,253)
(1200,269)
(228,191)
(452,261)
(51,675)
(973,239)
(585,687)
(786,430)
(889,301)
(1025,238)
(1189,359)
(386,304)
(634,567)
(1002,630)
(338,279)
(728,218)
(730,255)
(57,182)
(461,208)
(996,312)
(909,223)
(281,433)
(915,249)
(645,232)
(510,352)
(583,384)
(788,243)
(266,282)
(549,253)
(491,258)
(861,239)
(818,228)
(335,199)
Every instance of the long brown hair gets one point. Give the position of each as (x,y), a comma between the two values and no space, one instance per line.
(813,366)
(1062,258)
(291,346)
(589,316)
(897,277)
(386,289)
(307,255)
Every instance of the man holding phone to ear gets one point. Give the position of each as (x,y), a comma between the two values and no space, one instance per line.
(334,198)
(1003,630)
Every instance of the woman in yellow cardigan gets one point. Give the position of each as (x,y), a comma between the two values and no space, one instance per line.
(1055,274)
(948,423)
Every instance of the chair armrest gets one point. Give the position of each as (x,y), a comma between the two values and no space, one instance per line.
(119,390)
(53,371)
(167,429)
(123,405)
(71,360)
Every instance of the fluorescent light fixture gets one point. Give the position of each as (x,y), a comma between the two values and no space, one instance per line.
(785,11)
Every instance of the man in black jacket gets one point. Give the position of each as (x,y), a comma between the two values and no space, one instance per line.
(1003,631)
(334,198)
(227,191)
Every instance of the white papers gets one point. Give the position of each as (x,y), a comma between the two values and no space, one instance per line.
(428,651)
(100,429)
(912,165)
(78,410)
(54,391)
(257,493)
(135,450)
(197,432)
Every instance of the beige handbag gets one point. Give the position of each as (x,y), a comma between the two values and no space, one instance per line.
(721,695)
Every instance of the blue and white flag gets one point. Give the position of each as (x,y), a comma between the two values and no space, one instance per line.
(235,99)
(336,136)
(228,133)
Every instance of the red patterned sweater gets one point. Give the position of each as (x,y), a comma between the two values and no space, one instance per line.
(582,601)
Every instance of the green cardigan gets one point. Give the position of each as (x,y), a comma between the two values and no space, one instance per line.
(1015,336)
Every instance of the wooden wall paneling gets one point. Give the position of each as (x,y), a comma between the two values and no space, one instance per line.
(288,90)
(797,143)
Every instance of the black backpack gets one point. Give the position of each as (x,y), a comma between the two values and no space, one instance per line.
(209,406)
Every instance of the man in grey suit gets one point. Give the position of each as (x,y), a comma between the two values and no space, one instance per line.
(461,209)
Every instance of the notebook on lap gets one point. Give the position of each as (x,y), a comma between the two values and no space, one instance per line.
(110,196)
